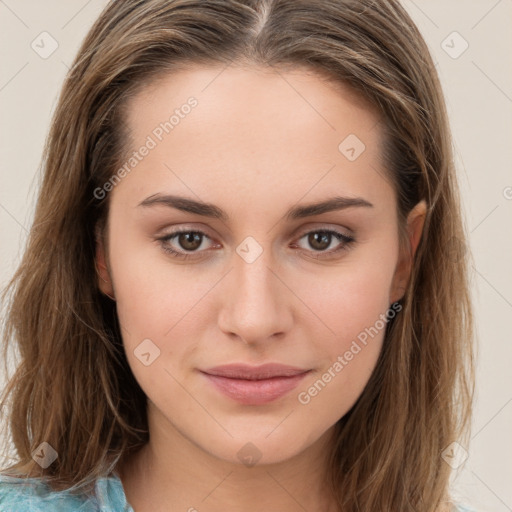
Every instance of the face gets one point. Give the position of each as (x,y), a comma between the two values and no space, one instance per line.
(257,276)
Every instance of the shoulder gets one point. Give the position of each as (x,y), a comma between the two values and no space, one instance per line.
(32,494)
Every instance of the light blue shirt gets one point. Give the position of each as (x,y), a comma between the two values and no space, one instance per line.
(33,495)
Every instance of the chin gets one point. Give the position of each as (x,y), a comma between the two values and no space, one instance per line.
(259,449)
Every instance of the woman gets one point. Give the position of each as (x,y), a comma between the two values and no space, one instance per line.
(245,286)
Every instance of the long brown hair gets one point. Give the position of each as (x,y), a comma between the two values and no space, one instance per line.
(73,388)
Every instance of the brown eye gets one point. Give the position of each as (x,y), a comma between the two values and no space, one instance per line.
(319,243)
(319,240)
(189,241)
(184,244)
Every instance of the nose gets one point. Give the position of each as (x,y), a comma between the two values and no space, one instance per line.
(256,305)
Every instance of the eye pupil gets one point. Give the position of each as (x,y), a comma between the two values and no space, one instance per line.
(190,241)
(319,240)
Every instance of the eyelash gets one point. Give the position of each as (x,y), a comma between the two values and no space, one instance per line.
(346,239)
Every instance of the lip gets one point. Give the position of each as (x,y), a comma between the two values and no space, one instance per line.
(245,371)
(255,385)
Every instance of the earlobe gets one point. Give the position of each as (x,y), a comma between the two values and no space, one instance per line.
(104,281)
(415,223)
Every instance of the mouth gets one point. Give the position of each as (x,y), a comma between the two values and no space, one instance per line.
(255,385)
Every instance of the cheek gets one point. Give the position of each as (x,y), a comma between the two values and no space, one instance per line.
(163,312)
(352,307)
(350,297)
(152,293)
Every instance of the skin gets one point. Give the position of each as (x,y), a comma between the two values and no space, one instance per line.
(258,143)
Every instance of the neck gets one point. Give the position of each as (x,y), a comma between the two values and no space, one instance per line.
(172,471)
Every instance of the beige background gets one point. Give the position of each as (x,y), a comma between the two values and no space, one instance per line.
(478,88)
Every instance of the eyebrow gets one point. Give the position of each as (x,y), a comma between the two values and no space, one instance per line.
(297,212)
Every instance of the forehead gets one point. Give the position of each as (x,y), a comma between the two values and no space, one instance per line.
(261,128)
(244,95)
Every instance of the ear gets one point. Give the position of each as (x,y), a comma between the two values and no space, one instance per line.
(102,272)
(415,222)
